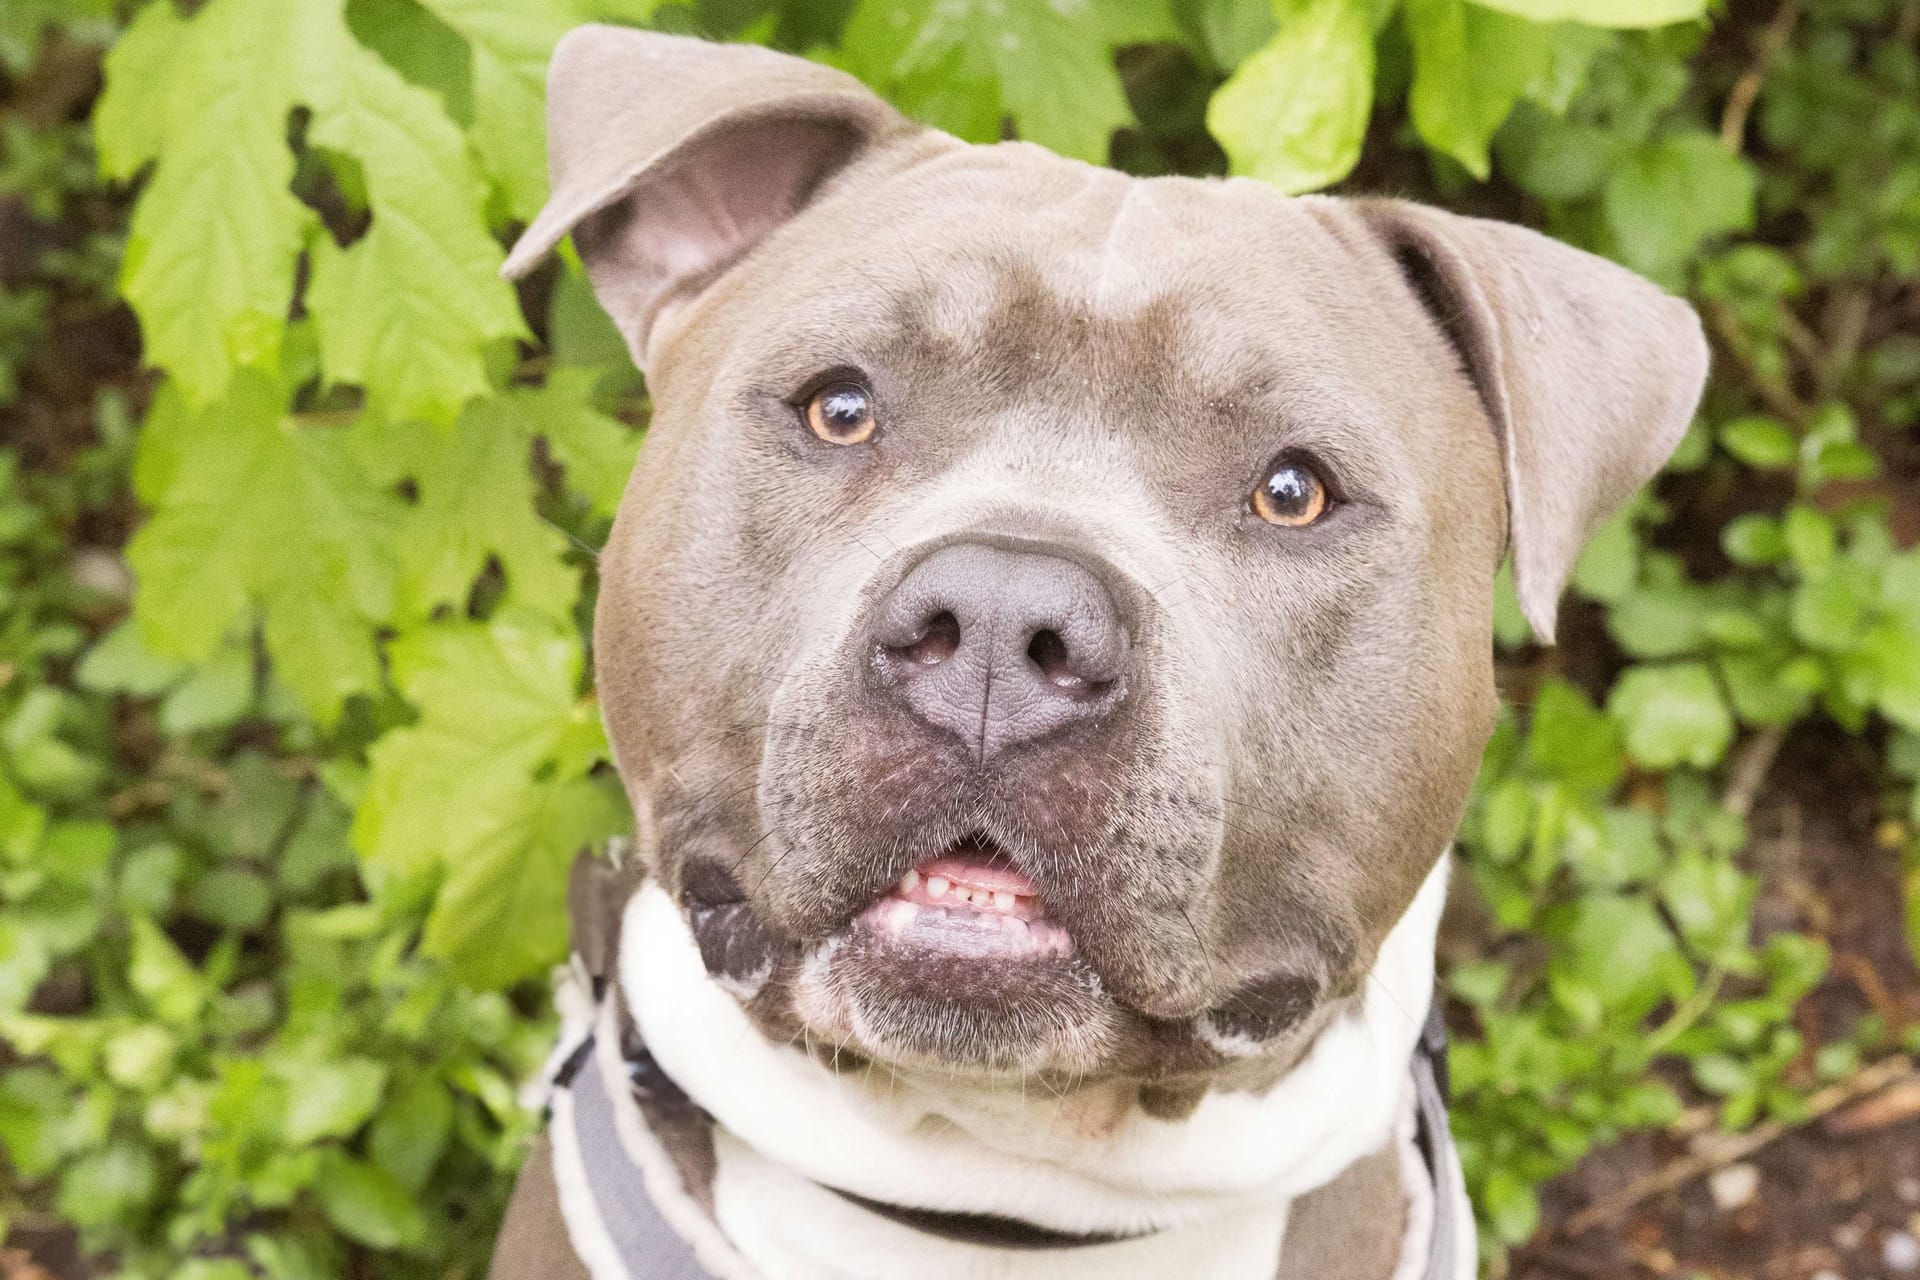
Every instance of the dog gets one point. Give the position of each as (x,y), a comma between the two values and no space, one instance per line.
(1046,640)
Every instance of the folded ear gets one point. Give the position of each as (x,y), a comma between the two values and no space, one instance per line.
(1589,373)
(670,158)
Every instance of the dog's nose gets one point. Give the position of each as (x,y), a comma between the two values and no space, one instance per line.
(1001,646)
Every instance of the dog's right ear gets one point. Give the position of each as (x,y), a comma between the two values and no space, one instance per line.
(670,158)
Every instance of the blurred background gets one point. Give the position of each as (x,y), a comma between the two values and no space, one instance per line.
(298,504)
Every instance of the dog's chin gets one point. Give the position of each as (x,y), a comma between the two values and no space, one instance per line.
(961,976)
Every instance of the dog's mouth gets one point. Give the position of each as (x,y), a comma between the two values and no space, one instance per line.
(959,965)
(969,900)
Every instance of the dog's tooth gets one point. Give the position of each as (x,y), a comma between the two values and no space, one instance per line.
(937,886)
(1003,900)
(983,898)
(909,882)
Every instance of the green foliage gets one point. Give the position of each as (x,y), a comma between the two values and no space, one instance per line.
(1294,112)
(222,1045)
(282,839)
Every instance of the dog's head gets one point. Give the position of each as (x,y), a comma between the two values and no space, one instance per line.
(1047,631)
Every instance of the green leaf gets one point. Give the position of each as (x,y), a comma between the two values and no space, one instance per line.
(217,694)
(1295,112)
(119,663)
(1754,540)
(1812,541)
(291,1258)
(1510,625)
(36,1105)
(1554,158)
(1710,901)
(1673,714)
(1829,610)
(1571,740)
(1049,66)
(158,972)
(1660,621)
(1672,196)
(510,41)
(476,502)
(1505,818)
(470,787)
(1228,30)
(252,508)
(1721,1073)
(1760,441)
(1614,959)
(1758,693)
(405,309)
(580,334)
(596,450)
(1610,566)
(410,1133)
(1511,1205)
(232,897)
(367,1204)
(1470,65)
(1626,849)
(210,257)
(330,1097)
(1894,653)
(1603,13)
(502,912)
(25,960)
(141,1058)
(109,1185)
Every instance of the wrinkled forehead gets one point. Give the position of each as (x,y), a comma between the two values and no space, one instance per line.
(1044,274)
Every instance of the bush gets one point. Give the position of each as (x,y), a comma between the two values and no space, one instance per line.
(282,846)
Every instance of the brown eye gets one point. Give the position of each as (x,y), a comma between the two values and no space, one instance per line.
(1294,495)
(841,413)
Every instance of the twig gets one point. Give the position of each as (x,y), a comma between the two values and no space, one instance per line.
(1860,971)
(1778,395)
(1756,757)
(1687,1013)
(1746,90)
(1889,1071)
(1847,316)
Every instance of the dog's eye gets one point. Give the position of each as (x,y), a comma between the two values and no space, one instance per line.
(1293,495)
(841,413)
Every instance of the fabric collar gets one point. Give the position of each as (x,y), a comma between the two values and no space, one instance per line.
(630,1233)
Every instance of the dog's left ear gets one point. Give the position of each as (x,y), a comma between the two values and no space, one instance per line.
(1589,374)
(670,158)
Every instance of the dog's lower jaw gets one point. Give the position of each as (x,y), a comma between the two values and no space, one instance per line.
(1220,1180)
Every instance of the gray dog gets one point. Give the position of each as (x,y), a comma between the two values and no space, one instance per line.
(1046,641)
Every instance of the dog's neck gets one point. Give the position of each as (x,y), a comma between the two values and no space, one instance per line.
(1212,1189)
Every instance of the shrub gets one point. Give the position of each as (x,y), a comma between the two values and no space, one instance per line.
(282,846)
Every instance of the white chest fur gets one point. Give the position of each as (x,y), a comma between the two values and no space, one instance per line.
(1215,1186)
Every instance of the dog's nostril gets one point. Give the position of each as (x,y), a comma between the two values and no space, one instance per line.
(1048,652)
(998,646)
(936,644)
